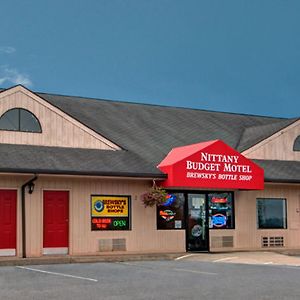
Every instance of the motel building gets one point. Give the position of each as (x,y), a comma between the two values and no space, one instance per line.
(73,172)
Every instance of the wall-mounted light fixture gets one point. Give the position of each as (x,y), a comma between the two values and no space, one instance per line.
(30,187)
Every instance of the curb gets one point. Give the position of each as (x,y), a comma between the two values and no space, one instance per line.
(86,259)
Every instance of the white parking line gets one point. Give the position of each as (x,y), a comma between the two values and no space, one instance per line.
(184,256)
(134,265)
(225,258)
(175,269)
(58,274)
(295,267)
(194,271)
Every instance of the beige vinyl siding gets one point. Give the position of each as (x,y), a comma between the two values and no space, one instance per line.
(144,237)
(277,147)
(58,129)
(246,235)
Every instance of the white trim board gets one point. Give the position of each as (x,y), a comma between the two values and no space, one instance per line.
(7,252)
(53,251)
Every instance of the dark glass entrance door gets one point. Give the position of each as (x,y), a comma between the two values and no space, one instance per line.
(197,223)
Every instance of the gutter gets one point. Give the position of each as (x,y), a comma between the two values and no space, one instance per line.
(293,181)
(29,184)
(83,173)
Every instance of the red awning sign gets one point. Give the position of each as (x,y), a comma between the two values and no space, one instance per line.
(211,164)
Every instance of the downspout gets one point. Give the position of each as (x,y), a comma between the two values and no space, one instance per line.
(28,183)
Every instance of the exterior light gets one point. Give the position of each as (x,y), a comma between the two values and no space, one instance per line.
(30,187)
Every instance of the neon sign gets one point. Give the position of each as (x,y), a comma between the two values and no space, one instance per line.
(110,212)
(170,200)
(167,214)
(218,200)
(219,220)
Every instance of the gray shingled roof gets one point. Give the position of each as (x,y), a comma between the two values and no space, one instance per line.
(146,133)
(151,131)
(255,134)
(280,171)
(72,161)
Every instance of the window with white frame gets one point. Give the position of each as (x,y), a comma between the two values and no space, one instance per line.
(271,213)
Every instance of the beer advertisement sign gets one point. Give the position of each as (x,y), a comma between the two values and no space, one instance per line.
(110,212)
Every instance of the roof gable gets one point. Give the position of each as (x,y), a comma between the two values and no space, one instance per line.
(256,134)
(58,128)
(278,146)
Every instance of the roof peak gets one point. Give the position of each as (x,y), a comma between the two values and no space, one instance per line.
(146,104)
(74,97)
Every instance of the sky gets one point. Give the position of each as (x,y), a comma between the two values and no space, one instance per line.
(236,56)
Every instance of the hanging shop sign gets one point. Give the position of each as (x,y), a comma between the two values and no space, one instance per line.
(211,164)
(110,212)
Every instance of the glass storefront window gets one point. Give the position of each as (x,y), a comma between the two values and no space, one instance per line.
(271,213)
(220,208)
(171,214)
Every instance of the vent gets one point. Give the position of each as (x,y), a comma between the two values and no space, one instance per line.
(105,245)
(109,245)
(272,241)
(222,242)
(119,244)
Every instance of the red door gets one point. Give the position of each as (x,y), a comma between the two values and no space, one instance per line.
(56,219)
(8,219)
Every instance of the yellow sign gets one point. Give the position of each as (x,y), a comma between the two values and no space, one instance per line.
(110,206)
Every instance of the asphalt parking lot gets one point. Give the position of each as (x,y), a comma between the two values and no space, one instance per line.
(184,278)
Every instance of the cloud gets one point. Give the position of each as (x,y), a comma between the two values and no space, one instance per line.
(13,76)
(7,49)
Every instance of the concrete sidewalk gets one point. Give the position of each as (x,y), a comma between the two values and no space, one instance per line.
(257,257)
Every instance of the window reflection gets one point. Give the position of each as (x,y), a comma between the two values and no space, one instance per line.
(171,214)
(271,213)
(19,119)
(220,210)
